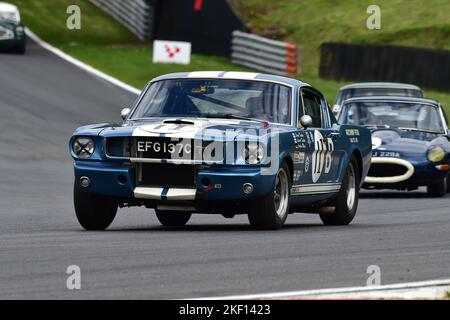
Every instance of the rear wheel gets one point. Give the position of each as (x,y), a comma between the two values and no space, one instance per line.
(348,197)
(93,212)
(271,212)
(438,189)
(173,218)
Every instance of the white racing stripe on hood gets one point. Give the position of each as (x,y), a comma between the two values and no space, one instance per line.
(182,130)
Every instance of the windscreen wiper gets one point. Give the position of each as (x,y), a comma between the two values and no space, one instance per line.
(232,116)
(419,130)
(377,126)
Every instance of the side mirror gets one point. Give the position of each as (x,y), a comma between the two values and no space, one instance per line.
(124,113)
(306,121)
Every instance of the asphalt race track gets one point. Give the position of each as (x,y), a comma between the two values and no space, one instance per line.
(43,99)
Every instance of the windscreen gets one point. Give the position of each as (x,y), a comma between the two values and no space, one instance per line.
(216,98)
(10,16)
(400,115)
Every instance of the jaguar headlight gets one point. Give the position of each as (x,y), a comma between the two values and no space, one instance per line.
(436,154)
(253,153)
(83,147)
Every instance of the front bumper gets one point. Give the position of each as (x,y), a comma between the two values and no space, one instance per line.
(212,184)
(12,41)
(417,173)
(8,44)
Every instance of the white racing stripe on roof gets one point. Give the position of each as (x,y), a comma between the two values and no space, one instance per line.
(221,74)
(240,75)
(204,74)
(8,7)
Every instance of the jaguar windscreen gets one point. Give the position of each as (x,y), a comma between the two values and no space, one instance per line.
(400,115)
(10,17)
(216,98)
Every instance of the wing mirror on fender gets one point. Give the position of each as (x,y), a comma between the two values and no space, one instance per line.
(124,113)
(306,121)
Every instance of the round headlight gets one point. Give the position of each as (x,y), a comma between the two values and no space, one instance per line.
(253,153)
(83,147)
(436,154)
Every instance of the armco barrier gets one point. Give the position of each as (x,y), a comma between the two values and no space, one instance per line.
(135,15)
(277,57)
(427,68)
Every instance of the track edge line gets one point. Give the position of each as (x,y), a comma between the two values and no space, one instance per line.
(81,64)
(332,291)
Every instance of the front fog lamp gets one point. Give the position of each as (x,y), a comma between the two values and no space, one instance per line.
(83,148)
(253,153)
(436,154)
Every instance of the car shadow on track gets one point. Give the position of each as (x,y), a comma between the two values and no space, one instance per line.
(395,195)
(213,227)
(233,228)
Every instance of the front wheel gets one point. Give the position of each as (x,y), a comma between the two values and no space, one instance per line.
(438,189)
(347,200)
(94,212)
(173,218)
(271,212)
(21,48)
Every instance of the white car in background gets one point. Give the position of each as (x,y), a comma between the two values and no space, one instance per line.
(366,89)
(12,31)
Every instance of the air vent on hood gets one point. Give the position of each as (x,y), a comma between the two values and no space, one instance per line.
(178,121)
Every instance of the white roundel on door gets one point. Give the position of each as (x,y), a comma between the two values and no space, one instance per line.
(322,156)
(376,143)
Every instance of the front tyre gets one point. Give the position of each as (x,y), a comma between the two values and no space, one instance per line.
(347,200)
(21,47)
(438,189)
(94,212)
(271,212)
(173,218)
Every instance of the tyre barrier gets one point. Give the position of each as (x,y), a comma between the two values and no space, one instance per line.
(135,15)
(263,54)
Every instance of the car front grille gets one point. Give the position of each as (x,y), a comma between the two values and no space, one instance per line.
(166,175)
(383,170)
(118,147)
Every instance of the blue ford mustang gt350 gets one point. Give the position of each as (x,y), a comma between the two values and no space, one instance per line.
(226,143)
(410,140)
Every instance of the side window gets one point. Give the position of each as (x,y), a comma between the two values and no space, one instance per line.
(312,107)
(353,116)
